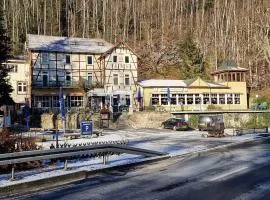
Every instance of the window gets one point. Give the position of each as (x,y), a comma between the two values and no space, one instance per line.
(55,101)
(126,59)
(115,79)
(229,98)
(45,79)
(155,99)
(127,81)
(89,60)
(189,98)
(22,87)
(221,98)
(164,99)
(67,59)
(197,99)
(213,98)
(173,99)
(127,100)
(13,68)
(76,101)
(237,98)
(90,78)
(181,99)
(42,101)
(44,57)
(114,59)
(68,78)
(206,99)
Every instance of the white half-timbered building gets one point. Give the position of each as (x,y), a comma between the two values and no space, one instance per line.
(89,71)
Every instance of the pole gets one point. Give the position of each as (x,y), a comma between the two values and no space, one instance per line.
(12,173)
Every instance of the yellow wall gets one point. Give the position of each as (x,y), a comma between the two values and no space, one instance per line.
(232,87)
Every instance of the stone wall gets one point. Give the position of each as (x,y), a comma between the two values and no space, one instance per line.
(147,119)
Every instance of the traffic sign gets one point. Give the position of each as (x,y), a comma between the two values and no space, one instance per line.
(86,127)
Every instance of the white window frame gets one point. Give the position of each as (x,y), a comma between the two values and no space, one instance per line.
(23,86)
(117,75)
(90,74)
(129,82)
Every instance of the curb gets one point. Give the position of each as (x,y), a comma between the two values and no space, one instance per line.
(51,182)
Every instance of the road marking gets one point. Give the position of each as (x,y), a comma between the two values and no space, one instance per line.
(229,173)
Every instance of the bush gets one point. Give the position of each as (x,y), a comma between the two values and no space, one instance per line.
(193,121)
(214,107)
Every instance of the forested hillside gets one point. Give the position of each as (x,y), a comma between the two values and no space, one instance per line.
(174,38)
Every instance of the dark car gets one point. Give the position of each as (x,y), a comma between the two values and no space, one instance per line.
(210,123)
(175,124)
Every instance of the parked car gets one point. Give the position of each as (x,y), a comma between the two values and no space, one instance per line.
(175,124)
(210,123)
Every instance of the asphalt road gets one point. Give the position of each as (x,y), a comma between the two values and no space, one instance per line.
(236,173)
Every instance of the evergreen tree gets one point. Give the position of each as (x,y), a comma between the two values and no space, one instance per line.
(5,87)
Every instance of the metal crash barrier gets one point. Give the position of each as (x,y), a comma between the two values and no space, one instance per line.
(103,150)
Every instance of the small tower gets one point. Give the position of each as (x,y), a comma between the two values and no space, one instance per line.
(229,72)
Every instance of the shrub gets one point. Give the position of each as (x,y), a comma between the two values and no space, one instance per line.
(193,121)
(214,107)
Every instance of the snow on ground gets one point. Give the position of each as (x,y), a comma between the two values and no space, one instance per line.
(172,142)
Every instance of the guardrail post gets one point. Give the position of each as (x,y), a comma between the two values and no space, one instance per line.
(65,165)
(12,173)
(104,159)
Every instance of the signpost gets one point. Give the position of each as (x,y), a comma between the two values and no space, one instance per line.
(86,128)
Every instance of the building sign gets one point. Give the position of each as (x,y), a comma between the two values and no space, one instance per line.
(86,128)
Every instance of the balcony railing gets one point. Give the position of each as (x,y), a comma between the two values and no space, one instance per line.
(70,84)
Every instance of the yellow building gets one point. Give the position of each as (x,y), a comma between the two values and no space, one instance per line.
(228,92)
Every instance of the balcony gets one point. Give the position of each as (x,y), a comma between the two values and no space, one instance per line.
(68,84)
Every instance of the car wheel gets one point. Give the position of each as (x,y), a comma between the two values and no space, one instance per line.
(175,128)
(163,126)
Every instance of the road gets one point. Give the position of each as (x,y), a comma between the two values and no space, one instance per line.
(237,173)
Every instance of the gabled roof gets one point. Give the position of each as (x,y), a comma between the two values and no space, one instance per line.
(195,82)
(109,51)
(198,82)
(67,44)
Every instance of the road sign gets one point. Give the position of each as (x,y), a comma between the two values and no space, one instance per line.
(86,127)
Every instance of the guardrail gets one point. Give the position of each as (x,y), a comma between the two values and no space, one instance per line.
(66,153)
(251,130)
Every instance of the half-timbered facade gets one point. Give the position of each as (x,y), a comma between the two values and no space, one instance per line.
(77,65)
(120,77)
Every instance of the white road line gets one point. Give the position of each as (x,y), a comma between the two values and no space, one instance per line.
(229,173)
